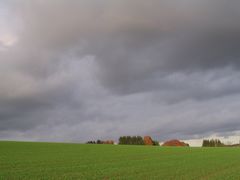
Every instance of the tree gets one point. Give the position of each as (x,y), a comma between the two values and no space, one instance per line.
(91,142)
(140,140)
(131,140)
(212,143)
(99,142)
(205,143)
(155,143)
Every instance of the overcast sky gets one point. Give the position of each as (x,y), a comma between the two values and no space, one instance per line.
(78,70)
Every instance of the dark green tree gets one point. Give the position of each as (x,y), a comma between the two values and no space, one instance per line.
(212,143)
(131,140)
(155,143)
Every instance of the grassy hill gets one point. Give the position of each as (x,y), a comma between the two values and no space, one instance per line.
(26,160)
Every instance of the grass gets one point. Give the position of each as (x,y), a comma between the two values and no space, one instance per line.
(27,160)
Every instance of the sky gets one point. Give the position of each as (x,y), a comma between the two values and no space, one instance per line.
(75,71)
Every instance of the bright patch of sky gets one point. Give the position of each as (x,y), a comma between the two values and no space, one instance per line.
(8,28)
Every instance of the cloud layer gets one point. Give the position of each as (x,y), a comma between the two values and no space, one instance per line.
(80,70)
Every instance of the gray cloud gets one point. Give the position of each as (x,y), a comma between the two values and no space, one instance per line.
(100,69)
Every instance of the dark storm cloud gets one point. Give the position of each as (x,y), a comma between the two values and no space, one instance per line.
(169,38)
(75,70)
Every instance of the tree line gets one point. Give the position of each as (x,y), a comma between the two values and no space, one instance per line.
(134,140)
(95,142)
(212,143)
(129,140)
(100,142)
(138,140)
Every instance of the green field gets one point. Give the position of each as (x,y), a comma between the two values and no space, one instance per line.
(25,160)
